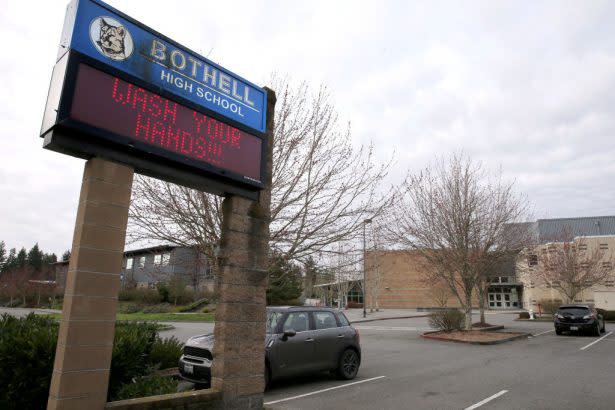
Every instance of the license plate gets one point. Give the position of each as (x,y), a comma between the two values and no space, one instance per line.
(574,328)
(188,368)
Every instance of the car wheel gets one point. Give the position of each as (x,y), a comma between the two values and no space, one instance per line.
(348,365)
(558,331)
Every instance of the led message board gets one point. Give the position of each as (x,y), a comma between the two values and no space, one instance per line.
(111,104)
(109,98)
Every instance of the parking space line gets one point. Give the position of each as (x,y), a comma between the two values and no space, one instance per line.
(487,400)
(543,333)
(323,390)
(596,341)
(410,329)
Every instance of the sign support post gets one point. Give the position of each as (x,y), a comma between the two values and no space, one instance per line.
(85,342)
(239,350)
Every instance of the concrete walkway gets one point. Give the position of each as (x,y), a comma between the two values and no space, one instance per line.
(356,315)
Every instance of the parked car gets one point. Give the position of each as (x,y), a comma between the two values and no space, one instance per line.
(578,318)
(299,340)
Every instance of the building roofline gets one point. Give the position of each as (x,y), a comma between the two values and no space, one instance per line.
(152,249)
(576,217)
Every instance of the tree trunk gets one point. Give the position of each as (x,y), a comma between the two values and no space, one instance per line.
(468,312)
(481,303)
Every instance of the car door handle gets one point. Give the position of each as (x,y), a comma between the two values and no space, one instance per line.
(340,336)
(309,340)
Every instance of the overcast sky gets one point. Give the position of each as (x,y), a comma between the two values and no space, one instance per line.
(528,86)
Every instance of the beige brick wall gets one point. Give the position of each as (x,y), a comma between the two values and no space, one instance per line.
(402,282)
(535,289)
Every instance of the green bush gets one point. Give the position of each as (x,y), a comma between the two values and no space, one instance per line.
(447,319)
(549,306)
(163,291)
(195,305)
(131,349)
(160,308)
(27,351)
(165,352)
(129,307)
(146,386)
(524,315)
(127,295)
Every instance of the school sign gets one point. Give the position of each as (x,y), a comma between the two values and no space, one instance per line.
(125,92)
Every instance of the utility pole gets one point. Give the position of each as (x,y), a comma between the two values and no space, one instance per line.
(365,222)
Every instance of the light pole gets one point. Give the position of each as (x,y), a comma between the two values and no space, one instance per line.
(365,222)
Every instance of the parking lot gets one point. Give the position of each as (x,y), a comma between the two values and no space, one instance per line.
(401,370)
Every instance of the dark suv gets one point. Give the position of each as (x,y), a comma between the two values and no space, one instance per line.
(578,318)
(299,340)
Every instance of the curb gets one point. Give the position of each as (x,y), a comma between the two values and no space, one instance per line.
(386,318)
(488,329)
(493,342)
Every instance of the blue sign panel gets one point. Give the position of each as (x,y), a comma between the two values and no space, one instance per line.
(107,35)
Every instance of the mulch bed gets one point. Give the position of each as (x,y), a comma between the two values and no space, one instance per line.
(475,337)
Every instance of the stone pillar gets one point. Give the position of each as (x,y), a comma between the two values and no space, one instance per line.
(241,283)
(85,340)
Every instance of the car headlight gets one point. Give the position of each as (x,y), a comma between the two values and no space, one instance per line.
(557,315)
(588,317)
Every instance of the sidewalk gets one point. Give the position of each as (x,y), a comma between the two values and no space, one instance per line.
(356,315)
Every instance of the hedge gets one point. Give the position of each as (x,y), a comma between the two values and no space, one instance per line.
(27,351)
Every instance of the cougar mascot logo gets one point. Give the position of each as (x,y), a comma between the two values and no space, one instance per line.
(111,39)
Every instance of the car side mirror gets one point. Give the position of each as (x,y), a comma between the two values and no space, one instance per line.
(288,333)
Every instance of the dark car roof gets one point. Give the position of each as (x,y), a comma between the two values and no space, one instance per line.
(577,305)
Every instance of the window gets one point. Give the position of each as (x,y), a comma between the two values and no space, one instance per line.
(607,265)
(129,263)
(141,262)
(604,246)
(297,321)
(582,246)
(324,320)
(272,321)
(166,258)
(343,320)
(532,260)
(162,259)
(504,279)
(355,296)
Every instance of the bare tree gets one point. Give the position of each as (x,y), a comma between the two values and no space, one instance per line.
(571,265)
(456,215)
(164,212)
(439,293)
(323,188)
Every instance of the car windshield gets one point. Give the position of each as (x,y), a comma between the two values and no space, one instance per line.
(574,310)
(272,321)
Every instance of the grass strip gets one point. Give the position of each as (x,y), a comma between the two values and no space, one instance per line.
(157,317)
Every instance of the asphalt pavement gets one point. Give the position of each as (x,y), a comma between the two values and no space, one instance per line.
(401,370)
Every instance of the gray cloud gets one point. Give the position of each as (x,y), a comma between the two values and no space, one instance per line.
(528,86)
